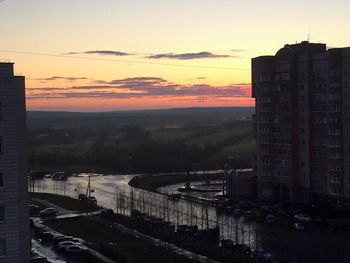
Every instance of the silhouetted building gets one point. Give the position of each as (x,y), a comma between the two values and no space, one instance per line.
(239,184)
(14,218)
(302,124)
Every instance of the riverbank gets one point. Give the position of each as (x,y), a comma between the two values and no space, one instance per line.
(66,202)
(153,182)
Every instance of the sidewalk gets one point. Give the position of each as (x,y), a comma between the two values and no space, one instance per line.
(49,204)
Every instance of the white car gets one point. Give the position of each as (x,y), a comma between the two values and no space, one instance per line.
(64,244)
(302,218)
(76,249)
(48,212)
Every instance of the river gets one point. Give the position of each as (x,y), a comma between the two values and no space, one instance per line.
(112,191)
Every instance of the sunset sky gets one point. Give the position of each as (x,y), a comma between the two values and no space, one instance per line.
(102,55)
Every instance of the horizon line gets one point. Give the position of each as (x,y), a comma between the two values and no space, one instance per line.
(128,110)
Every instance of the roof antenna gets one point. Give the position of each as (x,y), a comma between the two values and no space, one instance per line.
(309,33)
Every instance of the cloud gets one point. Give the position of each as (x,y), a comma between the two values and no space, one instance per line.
(70,79)
(48,89)
(100,52)
(141,87)
(237,50)
(187,56)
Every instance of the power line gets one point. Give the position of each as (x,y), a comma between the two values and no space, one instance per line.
(121,61)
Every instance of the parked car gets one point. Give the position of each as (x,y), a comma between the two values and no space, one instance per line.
(38,259)
(47,236)
(59,239)
(33,207)
(76,249)
(302,218)
(61,246)
(299,227)
(48,212)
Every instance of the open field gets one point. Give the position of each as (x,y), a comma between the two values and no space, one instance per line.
(142,142)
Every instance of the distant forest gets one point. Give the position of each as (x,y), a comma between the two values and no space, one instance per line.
(141,141)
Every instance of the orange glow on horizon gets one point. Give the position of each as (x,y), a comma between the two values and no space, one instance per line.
(131,104)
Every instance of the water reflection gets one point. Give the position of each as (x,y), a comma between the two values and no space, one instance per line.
(112,191)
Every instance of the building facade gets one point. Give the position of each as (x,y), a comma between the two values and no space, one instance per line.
(14,218)
(302,124)
(239,184)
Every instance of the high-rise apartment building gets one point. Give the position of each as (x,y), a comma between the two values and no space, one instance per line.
(302,124)
(14,219)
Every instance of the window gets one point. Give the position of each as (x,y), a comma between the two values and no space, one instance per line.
(335,167)
(336,191)
(338,202)
(333,131)
(335,155)
(2,247)
(335,180)
(2,213)
(1,180)
(334,143)
(1,145)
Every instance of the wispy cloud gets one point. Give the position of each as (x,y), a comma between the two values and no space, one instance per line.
(187,56)
(237,50)
(141,87)
(100,52)
(70,79)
